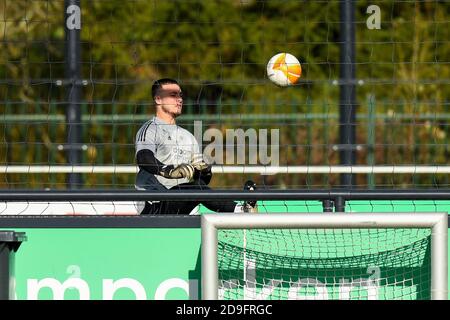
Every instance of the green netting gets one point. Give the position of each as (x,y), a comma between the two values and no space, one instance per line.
(324,264)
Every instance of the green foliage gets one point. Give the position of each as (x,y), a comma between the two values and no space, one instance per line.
(219,50)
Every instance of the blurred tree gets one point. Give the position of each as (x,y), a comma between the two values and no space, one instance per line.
(219,50)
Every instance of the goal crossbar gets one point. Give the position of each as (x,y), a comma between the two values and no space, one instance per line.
(437,222)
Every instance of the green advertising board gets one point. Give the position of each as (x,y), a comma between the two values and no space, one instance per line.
(147,263)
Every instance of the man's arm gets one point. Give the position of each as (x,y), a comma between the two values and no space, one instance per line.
(205,175)
(202,169)
(147,161)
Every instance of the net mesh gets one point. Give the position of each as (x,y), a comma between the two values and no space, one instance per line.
(218,50)
(374,264)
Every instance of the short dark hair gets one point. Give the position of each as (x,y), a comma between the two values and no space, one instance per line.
(159,83)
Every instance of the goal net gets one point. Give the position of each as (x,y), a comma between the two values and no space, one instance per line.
(325,256)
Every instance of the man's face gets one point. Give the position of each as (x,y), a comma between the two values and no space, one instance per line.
(170,99)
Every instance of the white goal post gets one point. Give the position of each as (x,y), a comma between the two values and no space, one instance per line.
(437,222)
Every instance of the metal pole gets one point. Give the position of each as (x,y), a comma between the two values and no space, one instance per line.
(210,269)
(339,196)
(439,259)
(339,204)
(72,21)
(371,140)
(347,96)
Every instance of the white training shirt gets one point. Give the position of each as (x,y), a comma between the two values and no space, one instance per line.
(171,144)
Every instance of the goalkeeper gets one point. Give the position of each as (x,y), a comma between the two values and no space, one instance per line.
(168,157)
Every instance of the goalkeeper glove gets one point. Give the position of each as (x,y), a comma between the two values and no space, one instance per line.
(184,170)
(199,163)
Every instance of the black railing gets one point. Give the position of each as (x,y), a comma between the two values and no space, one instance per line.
(329,198)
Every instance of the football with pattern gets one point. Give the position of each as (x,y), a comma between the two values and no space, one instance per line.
(284,69)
